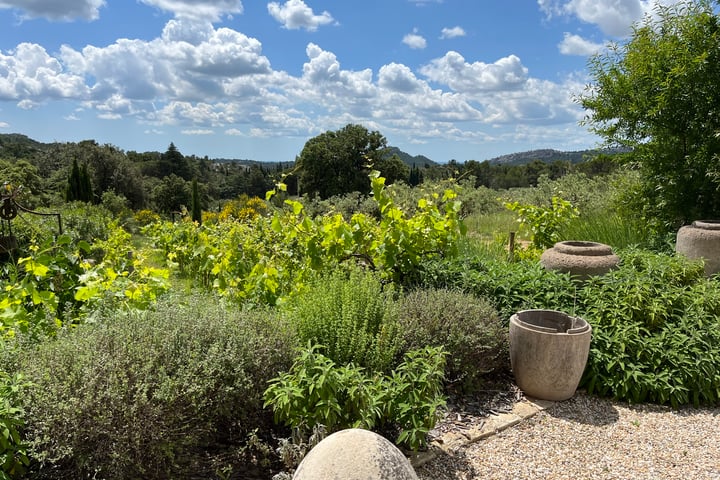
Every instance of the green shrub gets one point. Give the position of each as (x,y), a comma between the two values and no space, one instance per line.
(509,286)
(317,391)
(13,450)
(159,394)
(352,316)
(656,334)
(468,328)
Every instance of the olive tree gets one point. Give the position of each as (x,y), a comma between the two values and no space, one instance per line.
(658,94)
(336,162)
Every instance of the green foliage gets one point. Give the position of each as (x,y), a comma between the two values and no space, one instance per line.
(56,285)
(268,259)
(352,316)
(510,287)
(468,328)
(543,222)
(196,211)
(657,93)
(317,391)
(157,394)
(656,334)
(79,187)
(13,450)
(335,163)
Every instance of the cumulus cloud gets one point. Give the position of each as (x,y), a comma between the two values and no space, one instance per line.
(295,14)
(54,10)
(452,70)
(398,78)
(414,40)
(4,125)
(29,74)
(613,17)
(453,32)
(212,10)
(576,45)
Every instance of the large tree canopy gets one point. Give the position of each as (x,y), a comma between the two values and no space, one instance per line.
(658,94)
(334,163)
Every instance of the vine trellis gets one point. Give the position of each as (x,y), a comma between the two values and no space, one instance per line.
(10,208)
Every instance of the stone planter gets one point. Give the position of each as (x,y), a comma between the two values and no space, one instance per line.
(548,352)
(701,240)
(580,259)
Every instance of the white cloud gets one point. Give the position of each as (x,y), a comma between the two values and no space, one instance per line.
(28,73)
(197,131)
(414,41)
(295,14)
(4,125)
(453,32)
(212,10)
(613,17)
(398,78)
(577,45)
(452,70)
(66,10)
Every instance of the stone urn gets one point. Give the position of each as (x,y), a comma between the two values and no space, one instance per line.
(355,454)
(548,352)
(580,259)
(701,240)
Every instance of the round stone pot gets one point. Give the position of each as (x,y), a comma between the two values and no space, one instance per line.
(580,259)
(548,352)
(701,240)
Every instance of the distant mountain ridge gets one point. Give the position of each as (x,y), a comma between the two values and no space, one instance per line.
(16,145)
(550,155)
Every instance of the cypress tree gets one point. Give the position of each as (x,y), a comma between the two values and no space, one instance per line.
(196,210)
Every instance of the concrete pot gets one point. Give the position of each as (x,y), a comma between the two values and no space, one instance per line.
(548,352)
(580,259)
(701,240)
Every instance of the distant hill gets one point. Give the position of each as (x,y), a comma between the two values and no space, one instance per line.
(549,155)
(417,160)
(16,145)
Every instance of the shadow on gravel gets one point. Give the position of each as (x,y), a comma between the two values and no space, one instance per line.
(448,467)
(585,409)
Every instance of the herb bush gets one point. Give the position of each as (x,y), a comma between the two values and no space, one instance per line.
(158,394)
(317,391)
(352,316)
(656,331)
(508,286)
(467,327)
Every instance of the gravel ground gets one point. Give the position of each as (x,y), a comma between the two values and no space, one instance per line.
(591,438)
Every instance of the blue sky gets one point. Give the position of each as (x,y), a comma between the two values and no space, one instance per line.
(449,79)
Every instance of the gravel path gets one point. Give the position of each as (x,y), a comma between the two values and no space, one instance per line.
(591,438)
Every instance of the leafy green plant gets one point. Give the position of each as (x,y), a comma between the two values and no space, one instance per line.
(156,394)
(544,222)
(13,449)
(352,316)
(467,327)
(317,391)
(656,334)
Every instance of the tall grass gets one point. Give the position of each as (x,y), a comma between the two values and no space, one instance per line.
(609,228)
